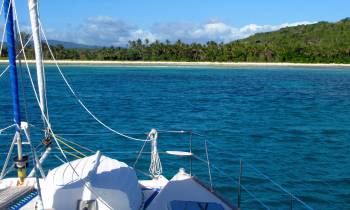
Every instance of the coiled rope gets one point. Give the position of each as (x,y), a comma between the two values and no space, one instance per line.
(155,168)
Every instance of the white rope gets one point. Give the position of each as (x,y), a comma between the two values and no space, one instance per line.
(208,163)
(18,54)
(80,101)
(173,131)
(95,134)
(139,154)
(46,103)
(49,125)
(3,72)
(76,144)
(8,156)
(37,165)
(8,127)
(155,167)
(112,152)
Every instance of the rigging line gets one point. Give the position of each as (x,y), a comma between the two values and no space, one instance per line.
(94,134)
(70,147)
(45,95)
(140,153)
(278,185)
(5,70)
(87,134)
(25,57)
(12,167)
(57,143)
(105,152)
(23,91)
(255,198)
(268,178)
(79,100)
(2,7)
(37,165)
(8,156)
(233,180)
(209,168)
(60,149)
(8,127)
(181,132)
(143,173)
(84,134)
(72,154)
(56,156)
(9,170)
(4,29)
(49,125)
(216,168)
(227,176)
(76,144)
(22,86)
(174,131)
(244,188)
(19,53)
(221,149)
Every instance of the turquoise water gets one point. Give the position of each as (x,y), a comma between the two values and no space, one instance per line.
(293,124)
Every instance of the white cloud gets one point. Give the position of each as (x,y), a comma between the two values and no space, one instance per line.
(100,30)
(107,31)
(215,30)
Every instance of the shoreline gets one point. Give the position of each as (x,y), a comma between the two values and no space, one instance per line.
(181,63)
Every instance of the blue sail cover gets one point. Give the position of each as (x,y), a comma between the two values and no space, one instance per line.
(11,48)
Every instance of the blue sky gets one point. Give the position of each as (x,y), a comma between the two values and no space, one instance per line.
(113,22)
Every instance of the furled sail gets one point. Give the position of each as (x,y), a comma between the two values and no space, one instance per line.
(10,37)
(34,19)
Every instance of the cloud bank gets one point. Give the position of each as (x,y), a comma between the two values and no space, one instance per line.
(106,31)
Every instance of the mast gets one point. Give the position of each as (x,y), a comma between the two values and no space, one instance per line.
(34,20)
(11,48)
(33,12)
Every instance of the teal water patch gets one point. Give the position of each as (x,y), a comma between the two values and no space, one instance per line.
(292,124)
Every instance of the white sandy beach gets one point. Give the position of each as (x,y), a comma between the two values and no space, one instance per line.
(172,63)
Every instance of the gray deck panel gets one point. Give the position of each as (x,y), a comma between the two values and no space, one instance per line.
(11,194)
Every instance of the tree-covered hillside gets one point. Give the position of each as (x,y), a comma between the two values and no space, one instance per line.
(321,42)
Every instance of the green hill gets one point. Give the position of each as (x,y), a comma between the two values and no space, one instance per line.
(321,42)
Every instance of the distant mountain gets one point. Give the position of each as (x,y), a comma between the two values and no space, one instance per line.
(321,34)
(71,45)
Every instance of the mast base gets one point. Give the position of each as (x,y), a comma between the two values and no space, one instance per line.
(21,166)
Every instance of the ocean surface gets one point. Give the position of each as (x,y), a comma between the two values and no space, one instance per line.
(291,124)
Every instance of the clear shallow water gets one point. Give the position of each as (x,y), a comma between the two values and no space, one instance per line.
(292,124)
